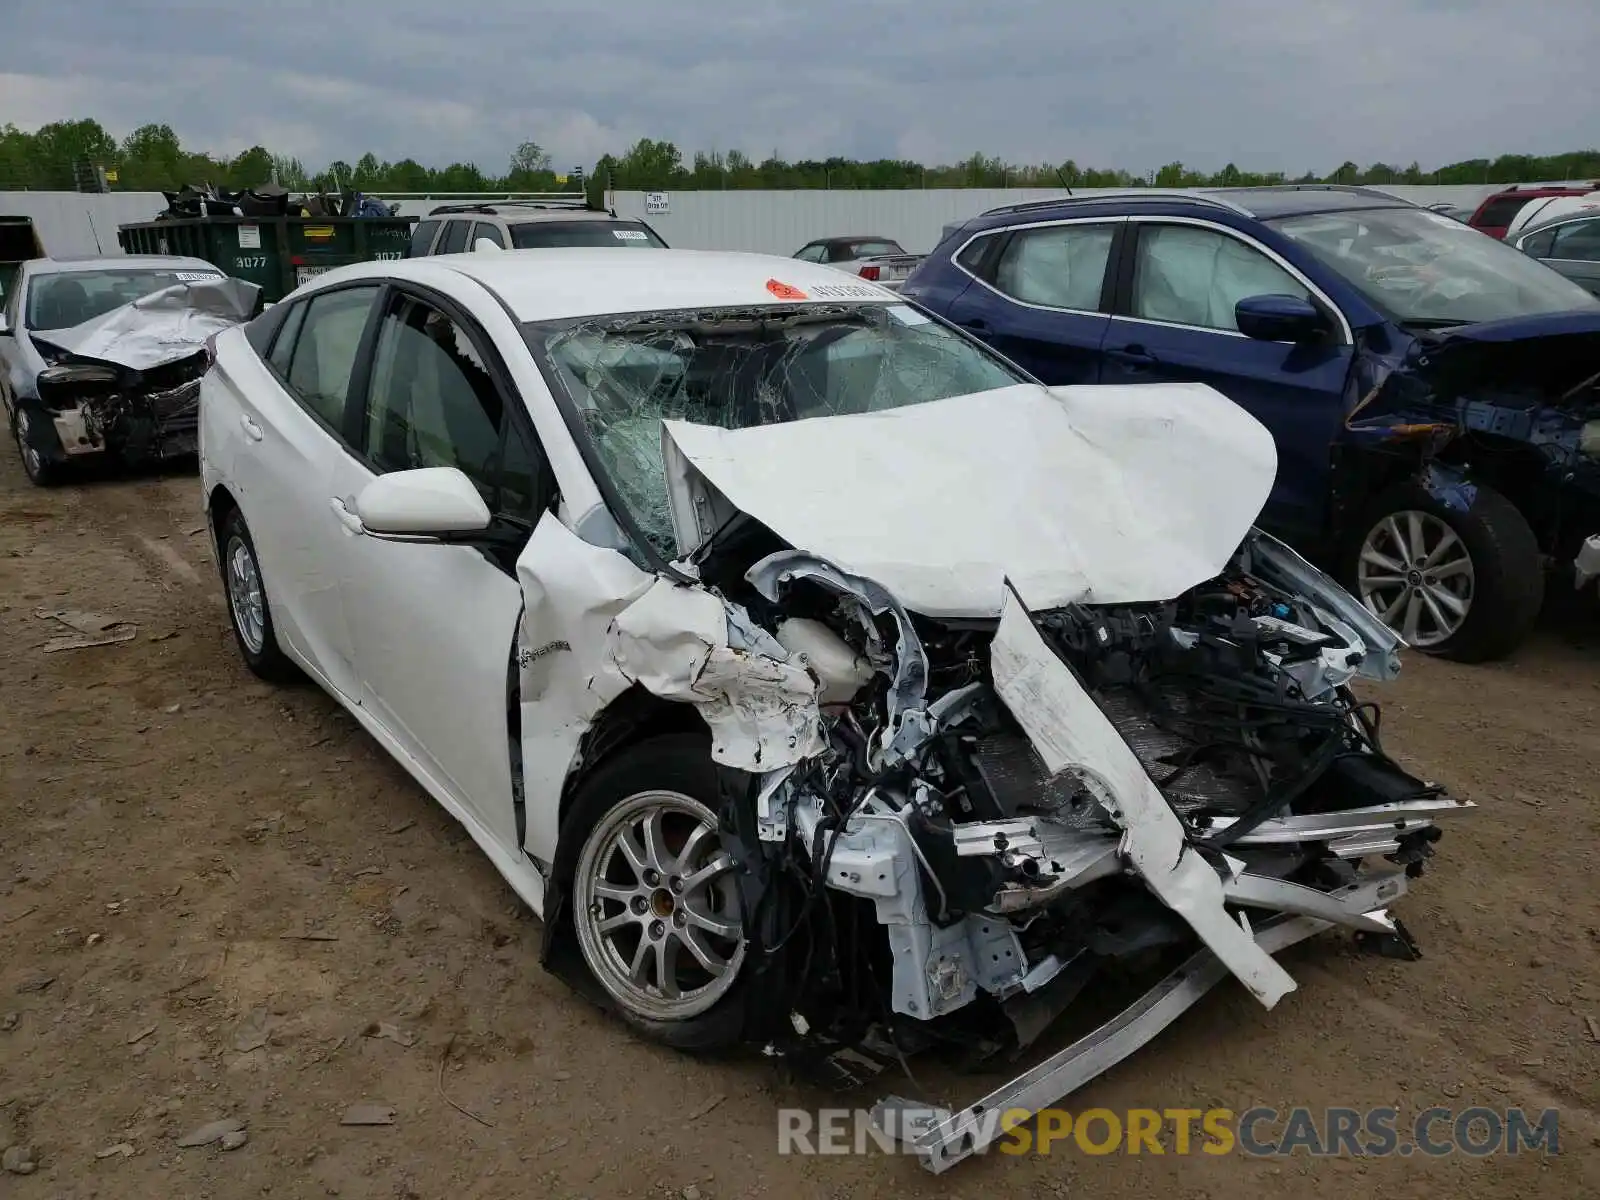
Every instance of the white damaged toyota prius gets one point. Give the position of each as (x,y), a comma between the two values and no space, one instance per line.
(824,682)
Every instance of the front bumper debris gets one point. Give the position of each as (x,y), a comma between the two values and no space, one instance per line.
(940,1139)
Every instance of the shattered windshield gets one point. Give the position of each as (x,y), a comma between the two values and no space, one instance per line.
(62,300)
(1425,268)
(736,368)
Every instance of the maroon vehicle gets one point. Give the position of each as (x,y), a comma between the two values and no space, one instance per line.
(1495,214)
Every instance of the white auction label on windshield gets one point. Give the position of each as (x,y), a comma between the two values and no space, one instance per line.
(249,237)
(628,235)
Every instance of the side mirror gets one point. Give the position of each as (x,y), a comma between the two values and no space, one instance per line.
(426,503)
(1278,318)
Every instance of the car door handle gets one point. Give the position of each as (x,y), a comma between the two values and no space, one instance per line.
(348,519)
(1133,357)
(251,429)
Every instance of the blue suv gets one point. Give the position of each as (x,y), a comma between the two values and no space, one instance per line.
(1432,392)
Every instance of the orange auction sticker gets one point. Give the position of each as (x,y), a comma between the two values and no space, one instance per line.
(784,291)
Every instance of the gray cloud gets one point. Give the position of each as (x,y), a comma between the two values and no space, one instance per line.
(1265,84)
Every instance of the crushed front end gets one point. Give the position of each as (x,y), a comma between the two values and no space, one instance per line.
(1008,811)
(128,382)
(100,407)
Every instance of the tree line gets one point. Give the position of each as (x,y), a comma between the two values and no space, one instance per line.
(65,155)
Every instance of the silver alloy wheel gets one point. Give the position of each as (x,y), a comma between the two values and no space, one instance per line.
(30,457)
(245,596)
(1416,576)
(656,908)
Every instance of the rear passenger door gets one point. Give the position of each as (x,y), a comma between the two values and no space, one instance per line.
(290,437)
(1039,295)
(1175,322)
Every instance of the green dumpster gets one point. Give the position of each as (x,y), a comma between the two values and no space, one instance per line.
(278,253)
(18,243)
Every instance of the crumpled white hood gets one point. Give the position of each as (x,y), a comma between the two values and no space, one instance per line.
(1092,494)
(163,326)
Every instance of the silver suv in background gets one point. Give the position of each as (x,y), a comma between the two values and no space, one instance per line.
(536,223)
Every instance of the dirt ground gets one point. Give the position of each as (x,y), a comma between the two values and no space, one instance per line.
(171,828)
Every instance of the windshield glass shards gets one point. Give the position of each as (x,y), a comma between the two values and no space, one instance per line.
(736,368)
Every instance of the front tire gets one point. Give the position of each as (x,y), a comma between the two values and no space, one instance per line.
(40,470)
(249,612)
(1465,584)
(655,904)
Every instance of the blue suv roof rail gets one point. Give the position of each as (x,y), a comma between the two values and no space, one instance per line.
(1348,189)
(1122,194)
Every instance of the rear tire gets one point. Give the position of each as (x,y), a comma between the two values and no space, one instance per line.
(652,906)
(249,611)
(1468,584)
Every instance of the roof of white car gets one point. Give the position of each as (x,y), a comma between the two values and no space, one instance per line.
(545,285)
(118,262)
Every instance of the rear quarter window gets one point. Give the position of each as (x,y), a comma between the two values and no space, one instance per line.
(259,331)
(454,239)
(422,238)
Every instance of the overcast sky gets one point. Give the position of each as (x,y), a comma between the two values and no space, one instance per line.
(1267,84)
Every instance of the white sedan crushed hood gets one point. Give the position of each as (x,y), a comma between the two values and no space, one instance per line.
(1098,494)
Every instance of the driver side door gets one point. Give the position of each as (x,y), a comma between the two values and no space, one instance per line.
(1173,321)
(434,626)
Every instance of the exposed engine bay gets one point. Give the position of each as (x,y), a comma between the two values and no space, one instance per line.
(136,415)
(981,818)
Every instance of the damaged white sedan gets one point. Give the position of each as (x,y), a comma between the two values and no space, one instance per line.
(825,683)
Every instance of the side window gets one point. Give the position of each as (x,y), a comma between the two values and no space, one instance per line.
(432,402)
(422,238)
(283,346)
(263,327)
(1063,266)
(454,239)
(1538,246)
(1578,242)
(324,353)
(976,250)
(812,253)
(839,252)
(1191,276)
(527,485)
(485,230)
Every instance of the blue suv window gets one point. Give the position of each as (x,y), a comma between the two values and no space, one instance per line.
(1187,275)
(1062,266)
